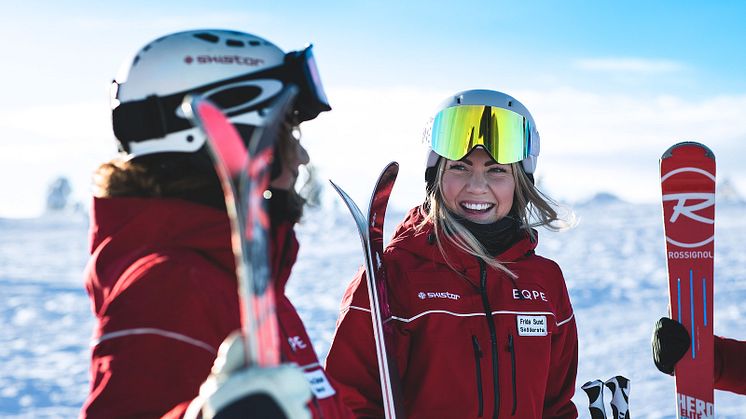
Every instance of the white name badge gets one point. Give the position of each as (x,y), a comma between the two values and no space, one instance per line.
(320,386)
(532,325)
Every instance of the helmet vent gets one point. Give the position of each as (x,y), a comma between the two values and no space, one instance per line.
(254,43)
(510,103)
(234,43)
(207,37)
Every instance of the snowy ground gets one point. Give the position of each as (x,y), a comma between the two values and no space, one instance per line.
(613,263)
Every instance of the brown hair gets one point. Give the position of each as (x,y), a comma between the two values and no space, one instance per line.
(188,176)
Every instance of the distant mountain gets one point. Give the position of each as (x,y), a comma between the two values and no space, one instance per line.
(602,199)
(728,193)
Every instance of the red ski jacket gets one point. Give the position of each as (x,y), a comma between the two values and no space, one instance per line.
(470,342)
(730,365)
(163,288)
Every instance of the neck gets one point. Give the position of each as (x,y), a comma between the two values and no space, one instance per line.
(496,237)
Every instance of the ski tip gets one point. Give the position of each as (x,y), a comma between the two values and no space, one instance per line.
(668,153)
(391,168)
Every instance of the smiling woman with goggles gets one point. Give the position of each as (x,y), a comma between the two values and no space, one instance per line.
(459,269)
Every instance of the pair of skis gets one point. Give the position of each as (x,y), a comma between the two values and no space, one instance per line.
(688,190)
(243,167)
(370,229)
(619,387)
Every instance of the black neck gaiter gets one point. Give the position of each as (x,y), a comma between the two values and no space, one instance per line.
(496,237)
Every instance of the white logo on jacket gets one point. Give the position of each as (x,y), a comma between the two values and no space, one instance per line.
(448,295)
(296,343)
(529,295)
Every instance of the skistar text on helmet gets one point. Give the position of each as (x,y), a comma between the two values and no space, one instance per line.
(224,59)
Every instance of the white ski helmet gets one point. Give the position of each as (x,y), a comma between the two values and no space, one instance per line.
(489,119)
(240,72)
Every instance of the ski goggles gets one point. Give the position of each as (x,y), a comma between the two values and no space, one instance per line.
(455,131)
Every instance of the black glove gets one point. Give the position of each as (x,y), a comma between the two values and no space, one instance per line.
(670,342)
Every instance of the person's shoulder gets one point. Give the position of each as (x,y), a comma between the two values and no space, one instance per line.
(544,263)
(176,267)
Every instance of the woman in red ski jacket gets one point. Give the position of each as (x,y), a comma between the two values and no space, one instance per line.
(483,325)
(162,275)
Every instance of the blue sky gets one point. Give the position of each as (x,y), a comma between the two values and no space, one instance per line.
(611,85)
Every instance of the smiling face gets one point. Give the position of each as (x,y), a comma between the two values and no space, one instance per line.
(478,188)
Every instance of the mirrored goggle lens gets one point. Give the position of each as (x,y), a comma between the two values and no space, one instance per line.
(504,134)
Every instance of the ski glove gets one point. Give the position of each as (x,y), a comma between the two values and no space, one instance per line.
(670,342)
(234,391)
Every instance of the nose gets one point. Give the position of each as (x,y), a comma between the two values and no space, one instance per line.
(477,183)
(302,154)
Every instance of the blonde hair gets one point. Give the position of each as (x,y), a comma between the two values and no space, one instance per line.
(532,208)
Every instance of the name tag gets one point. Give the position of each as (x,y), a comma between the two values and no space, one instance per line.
(532,325)
(320,386)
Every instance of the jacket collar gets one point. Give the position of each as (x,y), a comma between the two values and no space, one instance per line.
(421,241)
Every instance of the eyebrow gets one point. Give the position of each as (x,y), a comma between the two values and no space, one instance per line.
(470,163)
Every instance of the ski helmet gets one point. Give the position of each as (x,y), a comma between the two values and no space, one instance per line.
(239,72)
(489,119)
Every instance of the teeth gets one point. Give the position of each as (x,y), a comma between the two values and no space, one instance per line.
(476,207)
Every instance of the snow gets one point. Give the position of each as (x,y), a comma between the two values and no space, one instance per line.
(612,259)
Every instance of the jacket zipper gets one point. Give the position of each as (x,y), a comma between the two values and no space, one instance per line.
(511,348)
(477,359)
(493,335)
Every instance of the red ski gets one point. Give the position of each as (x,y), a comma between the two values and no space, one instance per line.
(688,187)
(243,166)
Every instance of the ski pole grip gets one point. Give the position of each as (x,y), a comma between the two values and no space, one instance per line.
(619,387)
(595,391)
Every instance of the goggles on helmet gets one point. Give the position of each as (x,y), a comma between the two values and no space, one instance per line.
(156,116)
(456,130)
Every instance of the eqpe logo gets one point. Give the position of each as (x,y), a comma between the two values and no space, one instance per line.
(690,210)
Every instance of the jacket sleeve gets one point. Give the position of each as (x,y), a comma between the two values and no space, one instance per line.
(563,366)
(352,359)
(730,365)
(159,337)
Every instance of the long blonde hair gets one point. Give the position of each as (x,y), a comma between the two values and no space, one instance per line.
(532,208)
